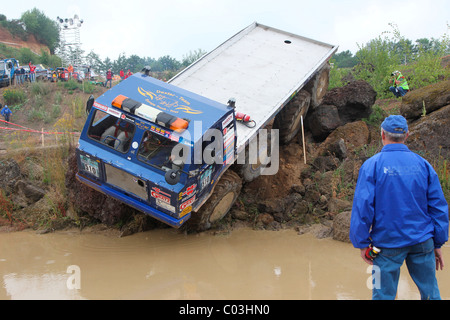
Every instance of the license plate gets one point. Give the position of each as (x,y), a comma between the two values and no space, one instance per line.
(90,166)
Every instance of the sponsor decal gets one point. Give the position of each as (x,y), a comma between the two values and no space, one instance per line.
(158,194)
(191,190)
(185,211)
(187,203)
(168,101)
(100,106)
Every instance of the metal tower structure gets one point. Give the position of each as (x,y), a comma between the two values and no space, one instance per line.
(69,33)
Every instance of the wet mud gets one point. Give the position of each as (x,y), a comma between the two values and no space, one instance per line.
(165,264)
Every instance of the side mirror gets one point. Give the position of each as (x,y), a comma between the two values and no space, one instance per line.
(172,176)
(89,104)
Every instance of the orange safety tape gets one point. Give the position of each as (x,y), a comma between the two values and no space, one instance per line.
(32,130)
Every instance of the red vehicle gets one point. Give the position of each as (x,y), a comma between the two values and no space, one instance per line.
(63,74)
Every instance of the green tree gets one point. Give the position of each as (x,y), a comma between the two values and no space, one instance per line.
(43,28)
(345,59)
(191,57)
(26,55)
(168,63)
(92,59)
(377,61)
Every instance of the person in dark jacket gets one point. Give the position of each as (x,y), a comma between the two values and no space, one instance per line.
(399,208)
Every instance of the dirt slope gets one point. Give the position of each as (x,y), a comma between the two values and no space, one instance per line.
(9,40)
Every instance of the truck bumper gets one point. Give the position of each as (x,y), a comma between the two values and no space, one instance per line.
(138,205)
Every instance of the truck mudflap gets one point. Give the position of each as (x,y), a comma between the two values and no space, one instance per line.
(138,205)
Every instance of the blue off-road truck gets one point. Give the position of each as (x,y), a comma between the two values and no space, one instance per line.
(166,149)
(7,68)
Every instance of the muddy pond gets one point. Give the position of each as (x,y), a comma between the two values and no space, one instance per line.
(164,264)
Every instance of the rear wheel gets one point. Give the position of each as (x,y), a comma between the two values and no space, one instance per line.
(318,85)
(255,164)
(219,203)
(288,120)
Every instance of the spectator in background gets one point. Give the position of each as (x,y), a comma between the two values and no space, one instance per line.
(70,69)
(16,76)
(22,75)
(32,72)
(109,76)
(122,74)
(88,73)
(400,85)
(6,113)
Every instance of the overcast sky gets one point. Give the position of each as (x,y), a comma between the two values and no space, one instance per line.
(150,28)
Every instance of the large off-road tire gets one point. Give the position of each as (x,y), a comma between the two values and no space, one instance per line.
(318,85)
(288,120)
(219,203)
(250,171)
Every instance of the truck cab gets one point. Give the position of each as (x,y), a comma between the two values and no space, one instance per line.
(7,68)
(156,147)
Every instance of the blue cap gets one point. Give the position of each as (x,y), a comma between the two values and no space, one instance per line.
(395,124)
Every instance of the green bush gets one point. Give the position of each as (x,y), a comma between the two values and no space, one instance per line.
(336,77)
(71,85)
(14,96)
(420,63)
(40,88)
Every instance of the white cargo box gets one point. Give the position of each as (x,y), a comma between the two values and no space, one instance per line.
(261,68)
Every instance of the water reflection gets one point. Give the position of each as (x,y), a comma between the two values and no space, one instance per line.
(165,264)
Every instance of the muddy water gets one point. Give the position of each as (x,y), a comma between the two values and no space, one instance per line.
(164,264)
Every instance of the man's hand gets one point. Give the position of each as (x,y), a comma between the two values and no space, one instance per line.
(363,256)
(439,259)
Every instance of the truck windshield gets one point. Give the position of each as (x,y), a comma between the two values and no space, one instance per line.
(156,150)
(111,131)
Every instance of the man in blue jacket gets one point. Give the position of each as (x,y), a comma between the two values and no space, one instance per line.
(6,112)
(399,207)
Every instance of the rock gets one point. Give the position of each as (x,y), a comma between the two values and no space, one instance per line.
(324,183)
(298,188)
(37,212)
(298,209)
(323,120)
(295,207)
(240,214)
(10,173)
(353,101)
(31,192)
(338,148)
(341,226)
(323,199)
(350,169)
(270,205)
(320,231)
(267,221)
(429,135)
(325,163)
(312,195)
(354,135)
(337,205)
(434,96)
(33,171)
